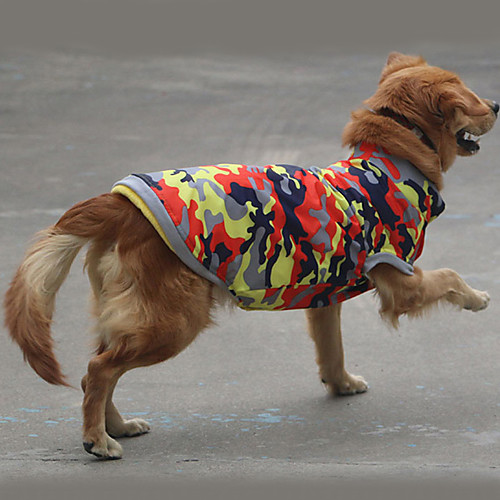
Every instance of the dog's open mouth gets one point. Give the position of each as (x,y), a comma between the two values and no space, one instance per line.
(467,141)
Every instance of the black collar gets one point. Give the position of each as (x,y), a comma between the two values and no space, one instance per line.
(402,120)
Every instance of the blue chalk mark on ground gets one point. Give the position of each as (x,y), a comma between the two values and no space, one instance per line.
(10,419)
(25,415)
(493,221)
(167,421)
(260,420)
(247,422)
(264,418)
(222,420)
(268,418)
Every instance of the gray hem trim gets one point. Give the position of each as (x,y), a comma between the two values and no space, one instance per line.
(182,251)
(387,258)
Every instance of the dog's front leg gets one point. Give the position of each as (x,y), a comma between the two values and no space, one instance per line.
(324,328)
(411,295)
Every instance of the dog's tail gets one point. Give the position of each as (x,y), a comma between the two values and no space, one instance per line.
(29,302)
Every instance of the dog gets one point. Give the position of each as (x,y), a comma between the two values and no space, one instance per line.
(276,237)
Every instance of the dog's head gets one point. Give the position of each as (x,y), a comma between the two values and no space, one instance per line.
(436,101)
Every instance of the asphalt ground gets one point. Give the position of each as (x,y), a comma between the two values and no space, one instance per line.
(244,401)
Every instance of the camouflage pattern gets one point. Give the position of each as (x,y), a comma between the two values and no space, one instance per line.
(286,237)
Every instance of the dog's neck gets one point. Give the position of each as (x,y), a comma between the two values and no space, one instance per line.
(368,126)
(402,120)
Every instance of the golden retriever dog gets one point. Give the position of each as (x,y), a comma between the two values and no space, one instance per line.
(276,237)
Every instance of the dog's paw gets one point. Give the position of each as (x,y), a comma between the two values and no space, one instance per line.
(108,449)
(129,428)
(347,386)
(478,301)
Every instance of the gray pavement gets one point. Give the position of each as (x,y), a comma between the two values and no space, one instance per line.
(245,400)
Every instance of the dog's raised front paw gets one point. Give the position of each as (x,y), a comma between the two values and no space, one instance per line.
(478,301)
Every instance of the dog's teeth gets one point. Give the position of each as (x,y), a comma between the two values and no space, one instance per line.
(470,137)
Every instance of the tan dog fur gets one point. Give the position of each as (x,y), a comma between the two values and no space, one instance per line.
(149,306)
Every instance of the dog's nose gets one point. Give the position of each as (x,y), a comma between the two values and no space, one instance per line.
(495,107)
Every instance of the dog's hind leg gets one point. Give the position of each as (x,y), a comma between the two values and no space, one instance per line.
(149,307)
(116,426)
(412,295)
(102,421)
(324,328)
(138,346)
(97,384)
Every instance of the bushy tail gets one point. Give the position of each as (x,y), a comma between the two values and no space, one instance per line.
(29,302)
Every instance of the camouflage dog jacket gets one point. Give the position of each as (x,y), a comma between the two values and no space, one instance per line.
(286,237)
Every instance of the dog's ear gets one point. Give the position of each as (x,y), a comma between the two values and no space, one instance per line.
(409,97)
(403,60)
(395,56)
(397,61)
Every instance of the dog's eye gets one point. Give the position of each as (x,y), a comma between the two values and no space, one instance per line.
(439,114)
